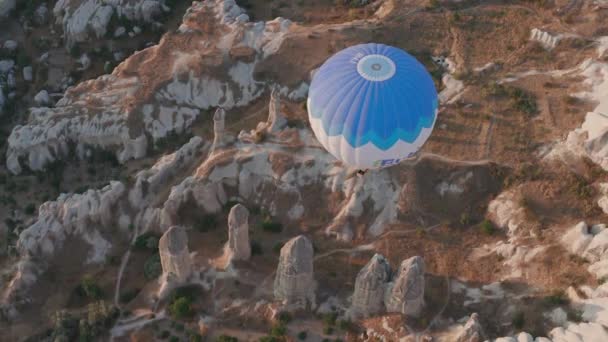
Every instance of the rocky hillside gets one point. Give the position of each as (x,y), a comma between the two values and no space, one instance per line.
(183,196)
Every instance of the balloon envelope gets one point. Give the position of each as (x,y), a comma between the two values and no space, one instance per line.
(372,105)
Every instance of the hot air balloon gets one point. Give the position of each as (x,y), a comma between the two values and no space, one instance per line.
(372,105)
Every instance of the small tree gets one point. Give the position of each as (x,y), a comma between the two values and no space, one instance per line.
(181,308)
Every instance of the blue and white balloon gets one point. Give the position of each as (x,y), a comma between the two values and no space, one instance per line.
(372,105)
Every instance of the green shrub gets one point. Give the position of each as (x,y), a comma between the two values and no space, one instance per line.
(330,319)
(30,209)
(278,330)
(256,248)
(129,295)
(345,325)
(302,335)
(165,334)
(147,241)
(277,247)
(328,330)
(174,339)
(195,338)
(88,288)
(152,268)
(271,226)
(487,227)
(518,320)
(226,338)
(284,317)
(181,307)
(207,223)
(555,299)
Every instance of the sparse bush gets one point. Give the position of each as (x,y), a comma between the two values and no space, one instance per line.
(575,316)
(302,335)
(555,299)
(165,334)
(284,317)
(487,227)
(328,330)
(229,205)
(433,4)
(277,247)
(129,295)
(195,338)
(153,268)
(271,226)
(278,330)
(174,339)
(88,288)
(571,100)
(256,248)
(181,307)
(147,241)
(330,319)
(465,219)
(30,209)
(345,325)
(226,338)
(518,320)
(207,223)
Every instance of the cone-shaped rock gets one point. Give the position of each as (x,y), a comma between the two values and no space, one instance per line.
(218,127)
(370,285)
(294,281)
(406,292)
(276,120)
(238,233)
(174,254)
(471,332)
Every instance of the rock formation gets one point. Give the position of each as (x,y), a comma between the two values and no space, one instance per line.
(218,127)
(85,19)
(238,233)
(138,100)
(174,254)
(276,120)
(370,287)
(406,293)
(6,6)
(471,332)
(294,281)
(150,181)
(547,40)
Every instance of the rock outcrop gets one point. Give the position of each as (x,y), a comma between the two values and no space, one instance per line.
(6,6)
(174,255)
(238,233)
(370,287)
(294,282)
(85,19)
(547,40)
(405,294)
(276,120)
(472,331)
(141,101)
(588,140)
(150,181)
(219,122)
(72,216)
